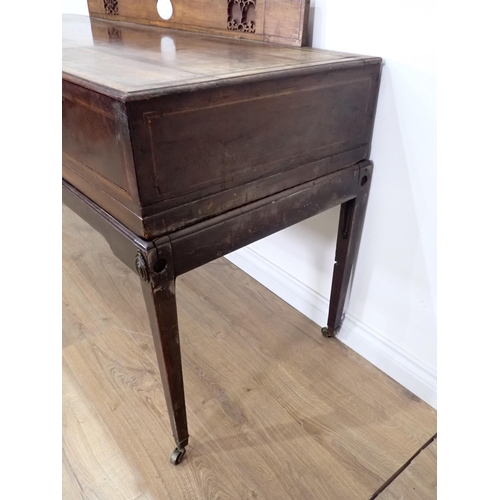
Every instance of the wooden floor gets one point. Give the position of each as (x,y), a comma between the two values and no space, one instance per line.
(275,410)
(418,480)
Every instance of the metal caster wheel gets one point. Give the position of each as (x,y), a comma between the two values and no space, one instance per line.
(328,332)
(177,456)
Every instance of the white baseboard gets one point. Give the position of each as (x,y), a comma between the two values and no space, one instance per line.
(399,364)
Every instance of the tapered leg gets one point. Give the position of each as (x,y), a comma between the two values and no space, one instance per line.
(352,214)
(162,311)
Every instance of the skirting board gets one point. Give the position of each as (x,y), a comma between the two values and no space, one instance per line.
(411,373)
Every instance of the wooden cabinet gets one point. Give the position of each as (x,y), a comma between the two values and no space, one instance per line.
(181,147)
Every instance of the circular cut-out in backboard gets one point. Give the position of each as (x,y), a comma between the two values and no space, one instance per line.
(165,9)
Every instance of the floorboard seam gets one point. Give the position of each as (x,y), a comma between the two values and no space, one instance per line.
(403,468)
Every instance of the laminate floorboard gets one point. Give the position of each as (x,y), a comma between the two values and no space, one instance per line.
(418,481)
(275,410)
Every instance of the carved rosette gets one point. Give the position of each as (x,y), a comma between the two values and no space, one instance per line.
(241,15)
(111,7)
(141,267)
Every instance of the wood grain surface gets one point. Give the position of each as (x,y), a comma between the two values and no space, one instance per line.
(275,410)
(164,129)
(418,481)
(126,59)
(279,21)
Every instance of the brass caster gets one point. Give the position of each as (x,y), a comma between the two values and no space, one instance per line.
(177,456)
(326,332)
(329,333)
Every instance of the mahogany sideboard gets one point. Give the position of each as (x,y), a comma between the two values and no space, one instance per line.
(180,147)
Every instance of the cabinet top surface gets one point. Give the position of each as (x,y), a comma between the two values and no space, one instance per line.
(126,60)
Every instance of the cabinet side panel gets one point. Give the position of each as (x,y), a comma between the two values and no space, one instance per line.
(97,154)
(191,146)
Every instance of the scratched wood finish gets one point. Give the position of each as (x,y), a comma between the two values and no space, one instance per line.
(127,61)
(162,312)
(285,130)
(275,410)
(278,21)
(202,243)
(97,154)
(172,255)
(418,481)
(163,129)
(352,215)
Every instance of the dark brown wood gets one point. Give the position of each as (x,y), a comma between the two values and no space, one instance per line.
(221,235)
(168,219)
(180,148)
(278,21)
(165,135)
(283,131)
(92,123)
(153,263)
(162,312)
(352,215)
(123,242)
(97,153)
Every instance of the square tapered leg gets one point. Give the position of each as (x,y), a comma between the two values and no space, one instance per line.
(162,312)
(352,215)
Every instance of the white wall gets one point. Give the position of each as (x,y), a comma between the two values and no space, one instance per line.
(391,316)
(75,7)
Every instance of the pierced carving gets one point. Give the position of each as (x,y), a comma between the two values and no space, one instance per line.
(114,34)
(111,7)
(241,15)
